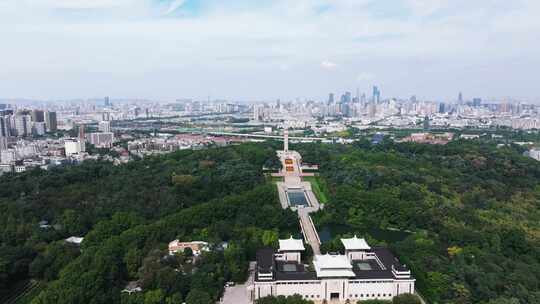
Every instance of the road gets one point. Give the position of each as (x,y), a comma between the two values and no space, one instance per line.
(239,294)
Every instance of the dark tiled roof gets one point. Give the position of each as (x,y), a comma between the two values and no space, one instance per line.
(301,272)
(267,264)
(388,259)
(375,273)
(265,259)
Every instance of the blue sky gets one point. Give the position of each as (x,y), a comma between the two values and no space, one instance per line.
(264,49)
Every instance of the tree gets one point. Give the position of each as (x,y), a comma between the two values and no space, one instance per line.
(374,302)
(72,222)
(188,252)
(406,298)
(133,260)
(154,297)
(176,298)
(504,300)
(196,296)
(295,299)
(270,238)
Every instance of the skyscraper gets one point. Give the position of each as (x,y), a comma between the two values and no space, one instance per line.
(50,121)
(38,116)
(460,98)
(348,97)
(442,107)
(81,132)
(107,101)
(4,127)
(376,94)
(3,133)
(331,98)
(22,124)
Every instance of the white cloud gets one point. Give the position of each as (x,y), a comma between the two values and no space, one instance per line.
(176,4)
(328,65)
(125,37)
(78,4)
(427,7)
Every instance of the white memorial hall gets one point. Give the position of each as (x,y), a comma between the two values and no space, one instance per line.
(362,273)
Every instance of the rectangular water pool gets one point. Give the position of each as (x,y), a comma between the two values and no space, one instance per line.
(297,198)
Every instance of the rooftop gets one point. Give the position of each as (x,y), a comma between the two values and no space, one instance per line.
(291,245)
(381,266)
(355,243)
(333,266)
(75,240)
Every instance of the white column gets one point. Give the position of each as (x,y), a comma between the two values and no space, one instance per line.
(286,140)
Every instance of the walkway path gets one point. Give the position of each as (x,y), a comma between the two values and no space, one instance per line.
(291,162)
(308,229)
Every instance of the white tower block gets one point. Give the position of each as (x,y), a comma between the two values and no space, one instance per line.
(286,140)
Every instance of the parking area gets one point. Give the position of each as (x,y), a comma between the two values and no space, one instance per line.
(239,294)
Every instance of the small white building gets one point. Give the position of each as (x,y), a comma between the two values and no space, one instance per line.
(362,273)
(75,240)
(197,247)
(534,153)
(74,146)
(290,250)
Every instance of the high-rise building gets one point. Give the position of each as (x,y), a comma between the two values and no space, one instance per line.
(38,116)
(376,94)
(4,133)
(106,101)
(442,107)
(101,140)
(460,98)
(477,102)
(22,124)
(426,122)
(50,121)
(3,143)
(348,97)
(7,156)
(331,98)
(81,132)
(104,126)
(4,127)
(39,128)
(258,112)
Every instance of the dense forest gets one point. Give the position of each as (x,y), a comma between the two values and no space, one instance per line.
(128,214)
(470,212)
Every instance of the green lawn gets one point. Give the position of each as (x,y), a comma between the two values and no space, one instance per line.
(272,179)
(317,189)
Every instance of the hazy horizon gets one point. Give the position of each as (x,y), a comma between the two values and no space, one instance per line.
(265,50)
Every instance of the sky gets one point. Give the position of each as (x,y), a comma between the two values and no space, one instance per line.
(269,49)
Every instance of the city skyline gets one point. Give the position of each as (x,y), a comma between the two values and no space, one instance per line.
(58,49)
